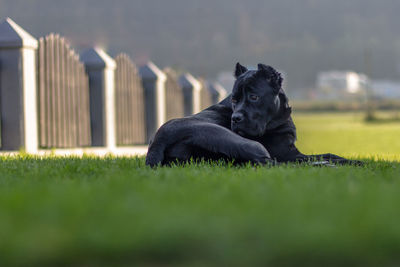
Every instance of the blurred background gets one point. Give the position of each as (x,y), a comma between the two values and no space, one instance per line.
(325,48)
(341,63)
(341,55)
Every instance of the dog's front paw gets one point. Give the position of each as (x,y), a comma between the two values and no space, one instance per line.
(348,162)
(323,163)
(257,154)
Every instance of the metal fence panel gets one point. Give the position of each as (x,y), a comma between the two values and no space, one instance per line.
(64,118)
(205,95)
(129,98)
(174,95)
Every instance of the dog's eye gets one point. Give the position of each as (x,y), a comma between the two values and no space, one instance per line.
(254,97)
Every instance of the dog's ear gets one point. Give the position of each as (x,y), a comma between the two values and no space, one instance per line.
(273,76)
(239,70)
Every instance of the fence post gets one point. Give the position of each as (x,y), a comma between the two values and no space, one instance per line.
(153,80)
(191,93)
(100,68)
(218,93)
(19,129)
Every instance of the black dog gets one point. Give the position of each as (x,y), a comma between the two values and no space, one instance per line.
(252,124)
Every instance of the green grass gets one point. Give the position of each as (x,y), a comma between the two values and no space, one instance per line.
(115,211)
(347,134)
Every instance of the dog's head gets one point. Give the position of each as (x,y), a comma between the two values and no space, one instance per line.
(257,100)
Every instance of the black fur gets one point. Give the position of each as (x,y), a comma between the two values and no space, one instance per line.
(253,124)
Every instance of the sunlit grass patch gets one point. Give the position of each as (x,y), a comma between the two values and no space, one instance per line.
(347,134)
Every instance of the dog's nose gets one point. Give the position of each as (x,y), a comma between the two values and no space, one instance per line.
(237,117)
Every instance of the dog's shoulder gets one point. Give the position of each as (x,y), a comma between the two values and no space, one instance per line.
(283,119)
(219,114)
(282,125)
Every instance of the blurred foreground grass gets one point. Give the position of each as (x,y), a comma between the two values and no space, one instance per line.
(115,211)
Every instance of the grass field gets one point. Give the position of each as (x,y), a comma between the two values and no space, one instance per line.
(347,134)
(117,212)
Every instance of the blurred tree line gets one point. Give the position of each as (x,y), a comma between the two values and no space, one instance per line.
(205,37)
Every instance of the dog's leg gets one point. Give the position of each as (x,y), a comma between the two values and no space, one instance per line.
(332,158)
(207,136)
(162,139)
(178,152)
(219,140)
(286,151)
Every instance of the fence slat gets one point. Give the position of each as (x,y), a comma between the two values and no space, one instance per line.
(63,93)
(140,122)
(130,112)
(85,139)
(52,108)
(68,98)
(42,91)
(57,96)
(123,101)
(72,104)
(79,109)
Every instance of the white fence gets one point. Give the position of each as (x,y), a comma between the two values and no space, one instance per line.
(50,97)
